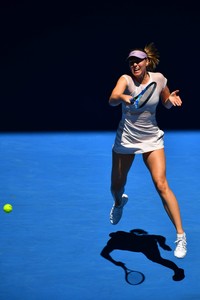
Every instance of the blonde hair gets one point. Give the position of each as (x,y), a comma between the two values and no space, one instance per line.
(153,56)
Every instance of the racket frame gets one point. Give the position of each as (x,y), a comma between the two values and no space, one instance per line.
(136,100)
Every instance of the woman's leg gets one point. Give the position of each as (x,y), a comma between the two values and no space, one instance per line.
(155,161)
(121,164)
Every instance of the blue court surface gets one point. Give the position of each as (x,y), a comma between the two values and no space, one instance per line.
(59,186)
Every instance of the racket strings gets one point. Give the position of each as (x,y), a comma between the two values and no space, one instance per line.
(141,99)
(146,96)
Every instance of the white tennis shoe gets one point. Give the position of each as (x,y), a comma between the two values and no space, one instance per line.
(181,246)
(116,211)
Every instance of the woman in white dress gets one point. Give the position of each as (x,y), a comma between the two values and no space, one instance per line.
(138,133)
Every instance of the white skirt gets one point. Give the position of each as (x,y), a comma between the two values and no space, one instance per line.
(138,133)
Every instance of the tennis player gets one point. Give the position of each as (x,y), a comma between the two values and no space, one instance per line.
(138,133)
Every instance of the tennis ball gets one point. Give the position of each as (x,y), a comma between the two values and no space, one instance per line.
(7,208)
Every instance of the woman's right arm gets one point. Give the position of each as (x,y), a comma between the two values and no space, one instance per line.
(117,96)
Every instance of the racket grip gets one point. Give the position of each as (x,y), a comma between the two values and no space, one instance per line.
(135,102)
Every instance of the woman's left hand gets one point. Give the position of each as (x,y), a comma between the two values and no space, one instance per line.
(175,99)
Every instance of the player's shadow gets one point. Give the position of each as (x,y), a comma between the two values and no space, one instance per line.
(138,240)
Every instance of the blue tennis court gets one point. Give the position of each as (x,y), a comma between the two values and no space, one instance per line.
(59,186)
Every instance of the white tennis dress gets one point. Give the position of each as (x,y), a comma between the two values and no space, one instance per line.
(138,131)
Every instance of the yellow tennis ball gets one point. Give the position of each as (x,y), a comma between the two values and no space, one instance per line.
(7,208)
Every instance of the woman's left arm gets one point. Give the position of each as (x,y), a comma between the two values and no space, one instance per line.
(170,99)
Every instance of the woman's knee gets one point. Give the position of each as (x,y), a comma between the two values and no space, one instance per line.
(161,185)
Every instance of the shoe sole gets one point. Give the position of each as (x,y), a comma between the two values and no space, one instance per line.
(180,256)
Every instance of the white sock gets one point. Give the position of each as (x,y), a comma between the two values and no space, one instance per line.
(180,235)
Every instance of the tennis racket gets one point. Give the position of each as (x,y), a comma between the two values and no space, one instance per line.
(142,98)
(133,277)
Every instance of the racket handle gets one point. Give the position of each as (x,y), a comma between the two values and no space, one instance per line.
(135,102)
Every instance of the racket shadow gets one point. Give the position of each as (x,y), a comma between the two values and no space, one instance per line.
(138,240)
(133,277)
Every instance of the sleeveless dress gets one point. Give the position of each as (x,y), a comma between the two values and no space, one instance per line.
(138,131)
